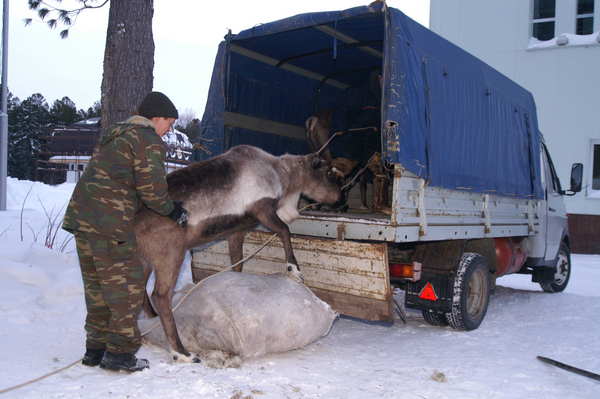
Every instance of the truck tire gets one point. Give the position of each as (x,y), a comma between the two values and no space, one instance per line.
(562,273)
(434,318)
(470,293)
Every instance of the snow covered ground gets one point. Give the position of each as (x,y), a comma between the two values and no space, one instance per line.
(42,312)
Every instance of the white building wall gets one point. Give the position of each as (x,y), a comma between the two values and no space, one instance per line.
(565,80)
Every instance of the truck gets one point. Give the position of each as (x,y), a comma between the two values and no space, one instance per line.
(474,193)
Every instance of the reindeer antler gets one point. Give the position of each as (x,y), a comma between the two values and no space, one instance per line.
(329,141)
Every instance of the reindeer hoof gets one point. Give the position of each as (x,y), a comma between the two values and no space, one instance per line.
(181,358)
(294,273)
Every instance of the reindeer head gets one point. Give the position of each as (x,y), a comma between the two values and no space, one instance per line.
(321,183)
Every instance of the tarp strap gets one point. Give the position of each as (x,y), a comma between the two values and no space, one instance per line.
(532,167)
(227,134)
(335,44)
(427,95)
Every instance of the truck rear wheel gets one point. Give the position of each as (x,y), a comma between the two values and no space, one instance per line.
(471,292)
(562,272)
(434,318)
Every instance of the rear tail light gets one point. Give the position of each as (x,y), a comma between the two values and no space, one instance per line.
(409,271)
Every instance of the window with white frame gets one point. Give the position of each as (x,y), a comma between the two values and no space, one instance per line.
(585,17)
(544,19)
(594,185)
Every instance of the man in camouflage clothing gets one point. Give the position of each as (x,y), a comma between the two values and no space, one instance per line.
(126,173)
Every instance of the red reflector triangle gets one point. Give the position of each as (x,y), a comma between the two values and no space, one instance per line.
(428,293)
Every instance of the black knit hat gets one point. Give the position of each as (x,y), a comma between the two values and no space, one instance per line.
(156,105)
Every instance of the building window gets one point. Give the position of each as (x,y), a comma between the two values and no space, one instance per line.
(544,19)
(596,166)
(585,17)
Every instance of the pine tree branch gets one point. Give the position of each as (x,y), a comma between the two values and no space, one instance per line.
(86,6)
(66,17)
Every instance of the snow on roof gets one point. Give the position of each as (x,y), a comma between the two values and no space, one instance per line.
(176,138)
(70,159)
(89,121)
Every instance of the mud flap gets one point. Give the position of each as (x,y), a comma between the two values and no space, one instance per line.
(543,274)
(433,291)
(350,276)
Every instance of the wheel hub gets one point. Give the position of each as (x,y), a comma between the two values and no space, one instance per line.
(562,269)
(475,293)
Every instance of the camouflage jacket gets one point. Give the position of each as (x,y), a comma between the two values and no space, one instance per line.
(125,172)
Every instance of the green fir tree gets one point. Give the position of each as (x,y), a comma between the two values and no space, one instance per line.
(28,122)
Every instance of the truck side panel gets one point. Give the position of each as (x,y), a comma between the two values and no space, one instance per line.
(352,277)
(424,213)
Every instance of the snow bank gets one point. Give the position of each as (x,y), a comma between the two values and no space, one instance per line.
(40,195)
(42,309)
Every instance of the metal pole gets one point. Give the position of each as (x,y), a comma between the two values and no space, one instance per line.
(3,110)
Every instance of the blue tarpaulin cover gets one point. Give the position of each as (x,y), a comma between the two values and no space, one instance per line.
(445,115)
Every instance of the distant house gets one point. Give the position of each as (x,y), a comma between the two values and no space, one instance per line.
(552,48)
(66,151)
(180,146)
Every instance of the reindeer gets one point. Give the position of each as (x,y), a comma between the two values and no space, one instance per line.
(318,135)
(227,196)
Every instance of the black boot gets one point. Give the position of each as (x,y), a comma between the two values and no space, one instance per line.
(92,357)
(123,361)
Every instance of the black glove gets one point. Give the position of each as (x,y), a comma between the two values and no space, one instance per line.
(179,214)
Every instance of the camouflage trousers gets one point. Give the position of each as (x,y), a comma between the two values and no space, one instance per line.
(113,280)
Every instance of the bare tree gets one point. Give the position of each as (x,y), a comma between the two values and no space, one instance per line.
(185,118)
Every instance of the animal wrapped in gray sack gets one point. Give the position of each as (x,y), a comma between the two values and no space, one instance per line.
(249,315)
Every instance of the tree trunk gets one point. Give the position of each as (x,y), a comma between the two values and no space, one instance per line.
(128,59)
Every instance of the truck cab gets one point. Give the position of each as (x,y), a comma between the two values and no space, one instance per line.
(549,250)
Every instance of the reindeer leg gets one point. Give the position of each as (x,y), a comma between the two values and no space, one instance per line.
(265,212)
(377,193)
(363,191)
(386,184)
(166,277)
(236,249)
(386,196)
